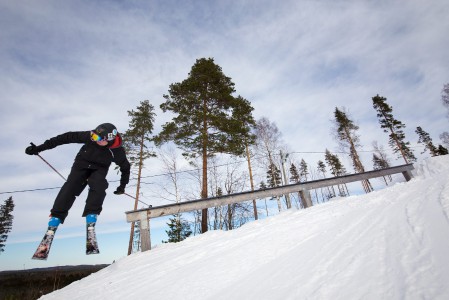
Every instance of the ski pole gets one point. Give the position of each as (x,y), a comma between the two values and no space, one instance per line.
(138,200)
(49,164)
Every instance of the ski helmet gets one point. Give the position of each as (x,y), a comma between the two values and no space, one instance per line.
(106,131)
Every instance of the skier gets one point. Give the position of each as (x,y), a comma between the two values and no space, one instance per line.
(102,146)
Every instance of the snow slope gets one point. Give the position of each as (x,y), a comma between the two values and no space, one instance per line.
(389,244)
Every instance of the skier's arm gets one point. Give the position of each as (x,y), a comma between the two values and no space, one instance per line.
(125,170)
(80,137)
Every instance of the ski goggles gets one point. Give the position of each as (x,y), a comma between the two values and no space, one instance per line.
(95,137)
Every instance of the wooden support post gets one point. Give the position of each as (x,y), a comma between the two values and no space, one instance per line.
(408,175)
(305,194)
(145,239)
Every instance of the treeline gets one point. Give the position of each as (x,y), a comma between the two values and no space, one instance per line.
(215,130)
(32,284)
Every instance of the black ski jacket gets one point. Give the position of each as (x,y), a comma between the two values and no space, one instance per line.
(92,155)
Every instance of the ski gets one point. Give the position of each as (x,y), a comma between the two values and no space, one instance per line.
(91,239)
(44,247)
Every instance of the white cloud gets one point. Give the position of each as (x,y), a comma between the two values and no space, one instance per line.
(74,64)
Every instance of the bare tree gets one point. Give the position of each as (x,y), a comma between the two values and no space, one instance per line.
(445,96)
(268,142)
(170,169)
(380,159)
(445,138)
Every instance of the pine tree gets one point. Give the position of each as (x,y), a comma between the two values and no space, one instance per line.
(295,178)
(347,136)
(208,118)
(274,176)
(6,219)
(337,169)
(294,174)
(442,150)
(322,169)
(136,139)
(378,164)
(394,127)
(424,138)
(274,179)
(303,170)
(247,119)
(179,229)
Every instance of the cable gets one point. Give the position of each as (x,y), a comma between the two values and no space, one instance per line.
(196,169)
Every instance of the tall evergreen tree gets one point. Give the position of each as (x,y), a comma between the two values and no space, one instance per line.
(322,170)
(424,138)
(208,118)
(294,174)
(274,179)
(378,164)
(394,127)
(6,219)
(303,170)
(136,140)
(348,139)
(245,115)
(179,229)
(295,178)
(337,169)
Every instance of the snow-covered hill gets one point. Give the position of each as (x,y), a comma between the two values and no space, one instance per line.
(389,244)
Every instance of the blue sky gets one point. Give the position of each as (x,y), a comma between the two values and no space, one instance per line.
(71,65)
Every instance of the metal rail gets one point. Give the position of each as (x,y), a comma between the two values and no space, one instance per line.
(143,215)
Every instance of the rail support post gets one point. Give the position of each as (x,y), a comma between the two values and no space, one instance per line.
(305,194)
(145,239)
(408,175)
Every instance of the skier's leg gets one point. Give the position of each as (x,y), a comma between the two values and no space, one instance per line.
(97,192)
(91,238)
(75,184)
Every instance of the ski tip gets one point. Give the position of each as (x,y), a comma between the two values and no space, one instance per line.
(39,258)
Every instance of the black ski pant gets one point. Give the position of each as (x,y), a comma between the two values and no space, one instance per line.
(78,179)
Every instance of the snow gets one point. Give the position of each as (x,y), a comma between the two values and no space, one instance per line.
(389,244)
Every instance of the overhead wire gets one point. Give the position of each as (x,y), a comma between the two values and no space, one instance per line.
(194,170)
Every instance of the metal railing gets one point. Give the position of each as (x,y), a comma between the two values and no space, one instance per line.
(303,188)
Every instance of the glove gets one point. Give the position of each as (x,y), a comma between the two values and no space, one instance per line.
(120,190)
(32,150)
